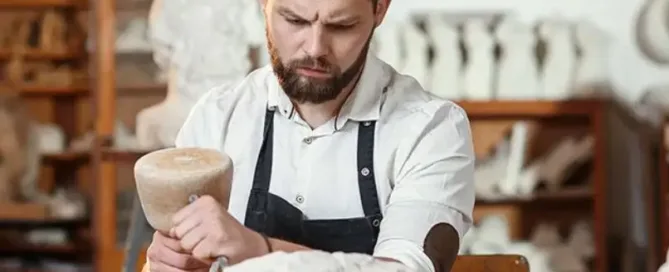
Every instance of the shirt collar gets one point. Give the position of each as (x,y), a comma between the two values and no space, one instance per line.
(364,103)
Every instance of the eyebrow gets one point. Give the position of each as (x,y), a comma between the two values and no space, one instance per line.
(286,12)
(337,16)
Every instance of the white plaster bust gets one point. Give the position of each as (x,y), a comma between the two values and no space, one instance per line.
(653,28)
(200,45)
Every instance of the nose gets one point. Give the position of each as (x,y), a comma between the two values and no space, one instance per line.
(318,42)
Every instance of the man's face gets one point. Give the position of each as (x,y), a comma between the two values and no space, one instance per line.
(318,47)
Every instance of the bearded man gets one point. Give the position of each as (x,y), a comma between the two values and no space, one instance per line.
(333,150)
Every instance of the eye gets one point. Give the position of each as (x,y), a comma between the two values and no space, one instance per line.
(340,27)
(297,21)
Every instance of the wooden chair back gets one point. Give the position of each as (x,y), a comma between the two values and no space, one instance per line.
(490,263)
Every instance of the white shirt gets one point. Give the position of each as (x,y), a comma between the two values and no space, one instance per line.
(423,154)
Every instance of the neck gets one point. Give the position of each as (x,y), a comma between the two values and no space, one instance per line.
(316,115)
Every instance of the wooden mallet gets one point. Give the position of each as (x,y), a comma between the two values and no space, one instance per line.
(169,179)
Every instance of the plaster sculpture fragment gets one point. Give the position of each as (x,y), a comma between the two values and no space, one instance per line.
(51,138)
(47,237)
(560,160)
(581,240)
(508,185)
(529,179)
(557,76)
(446,69)
(563,259)
(134,37)
(488,175)
(416,58)
(20,142)
(480,65)
(123,139)
(317,261)
(493,236)
(198,43)
(468,240)
(592,71)
(546,236)
(517,72)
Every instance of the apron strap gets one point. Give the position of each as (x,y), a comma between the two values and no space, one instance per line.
(366,181)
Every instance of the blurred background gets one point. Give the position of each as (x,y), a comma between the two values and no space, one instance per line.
(567,101)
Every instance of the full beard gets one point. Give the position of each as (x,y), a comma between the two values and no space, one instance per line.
(302,89)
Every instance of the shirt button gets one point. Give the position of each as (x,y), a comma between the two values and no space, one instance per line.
(299,199)
(365,171)
(308,140)
(376,222)
(366,123)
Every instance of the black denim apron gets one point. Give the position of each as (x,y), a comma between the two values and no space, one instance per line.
(276,218)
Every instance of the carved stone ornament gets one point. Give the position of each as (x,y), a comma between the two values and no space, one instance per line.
(480,66)
(560,59)
(517,72)
(446,70)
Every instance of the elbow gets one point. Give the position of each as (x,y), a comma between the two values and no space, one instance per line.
(441,246)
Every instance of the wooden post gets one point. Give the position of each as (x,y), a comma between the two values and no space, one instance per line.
(105,111)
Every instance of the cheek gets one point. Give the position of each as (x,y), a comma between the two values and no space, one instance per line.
(287,41)
(347,48)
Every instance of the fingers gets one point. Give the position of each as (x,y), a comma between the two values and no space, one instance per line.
(168,242)
(161,267)
(192,239)
(204,250)
(162,258)
(192,208)
(180,230)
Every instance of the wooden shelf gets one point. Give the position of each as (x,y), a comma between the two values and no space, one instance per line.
(68,156)
(36,54)
(26,248)
(53,90)
(122,155)
(41,3)
(40,224)
(142,89)
(531,109)
(566,195)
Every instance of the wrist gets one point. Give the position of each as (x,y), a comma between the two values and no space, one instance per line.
(263,245)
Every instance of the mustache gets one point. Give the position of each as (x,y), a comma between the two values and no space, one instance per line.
(319,64)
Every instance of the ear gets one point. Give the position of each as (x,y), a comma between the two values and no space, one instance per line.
(381,10)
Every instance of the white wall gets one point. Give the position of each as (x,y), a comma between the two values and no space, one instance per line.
(631,72)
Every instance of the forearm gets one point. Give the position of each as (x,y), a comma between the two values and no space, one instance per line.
(285,246)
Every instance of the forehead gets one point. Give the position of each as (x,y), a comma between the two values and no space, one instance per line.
(315,9)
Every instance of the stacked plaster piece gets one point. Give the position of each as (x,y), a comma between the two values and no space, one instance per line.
(545,251)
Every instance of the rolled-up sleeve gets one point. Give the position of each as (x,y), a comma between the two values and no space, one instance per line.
(433,183)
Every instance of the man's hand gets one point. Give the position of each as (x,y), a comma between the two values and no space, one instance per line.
(166,255)
(208,231)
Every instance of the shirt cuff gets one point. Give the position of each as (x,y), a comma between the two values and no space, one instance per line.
(405,252)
